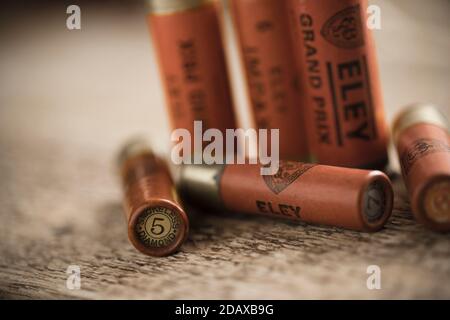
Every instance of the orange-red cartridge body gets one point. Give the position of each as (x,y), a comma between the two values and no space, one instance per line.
(157,224)
(341,197)
(273,81)
(188,41)
(344,108)
(422,137)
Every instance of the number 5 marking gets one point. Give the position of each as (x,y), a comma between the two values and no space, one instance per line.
(155,225)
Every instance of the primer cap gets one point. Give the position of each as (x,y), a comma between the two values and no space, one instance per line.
(418,113)
(171,6)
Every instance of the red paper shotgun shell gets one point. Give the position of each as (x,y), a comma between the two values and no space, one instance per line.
(344,108)
(188,42)
(157,224)
(334,196)
(421,134)
(267,54)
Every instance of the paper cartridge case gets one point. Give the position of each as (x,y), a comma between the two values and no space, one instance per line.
(344,107)
(157,224)
(188,42)
(421,135)
(272,79)
(348,198)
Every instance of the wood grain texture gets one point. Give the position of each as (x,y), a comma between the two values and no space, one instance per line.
(63,208)
(67,102)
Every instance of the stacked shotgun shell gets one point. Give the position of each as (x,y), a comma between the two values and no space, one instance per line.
(311,72)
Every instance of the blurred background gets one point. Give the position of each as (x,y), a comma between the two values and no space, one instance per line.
(69,99)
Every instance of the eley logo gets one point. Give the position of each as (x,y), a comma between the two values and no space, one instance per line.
(288,172)
(344,29)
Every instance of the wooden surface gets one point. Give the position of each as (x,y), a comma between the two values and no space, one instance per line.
(68,99)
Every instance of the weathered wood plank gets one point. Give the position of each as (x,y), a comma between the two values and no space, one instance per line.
(61,208)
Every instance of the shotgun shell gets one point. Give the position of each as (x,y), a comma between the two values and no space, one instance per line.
(349,198)
(344,108)
(421,135)
(267,54)
(188,41)
(157,225)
